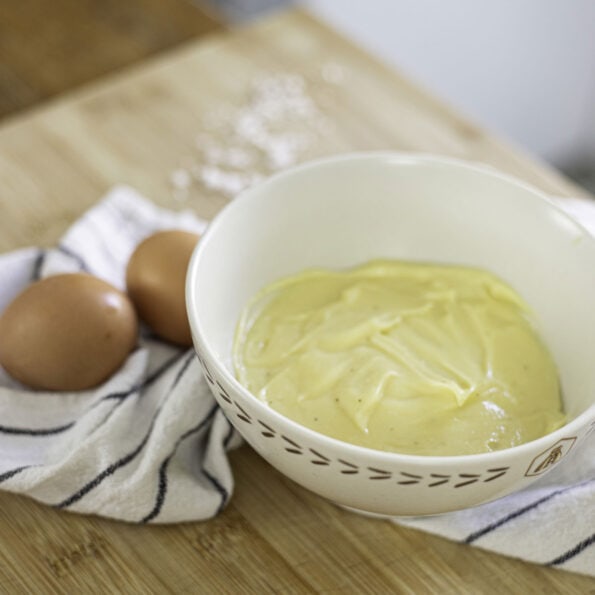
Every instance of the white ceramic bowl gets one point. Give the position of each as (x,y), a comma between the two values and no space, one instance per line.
(347,210)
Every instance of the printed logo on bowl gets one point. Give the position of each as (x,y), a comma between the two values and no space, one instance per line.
(544,461)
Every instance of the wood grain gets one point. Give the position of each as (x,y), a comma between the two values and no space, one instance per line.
(50,47)
(274,536)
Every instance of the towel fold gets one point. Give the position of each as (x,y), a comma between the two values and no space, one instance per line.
(150,444)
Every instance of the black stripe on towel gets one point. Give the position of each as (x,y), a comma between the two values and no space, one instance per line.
(182,370)
(162,486)
(122,462)
(76,257)
(107,471)
(517,513)
(8,474)
(222,491)
(146,382)
(575,551)
(37,264)
(35,432)
(121,396)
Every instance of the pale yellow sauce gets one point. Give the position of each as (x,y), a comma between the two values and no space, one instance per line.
(403,357)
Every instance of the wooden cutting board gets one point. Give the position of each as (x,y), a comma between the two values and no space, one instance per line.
(142,127)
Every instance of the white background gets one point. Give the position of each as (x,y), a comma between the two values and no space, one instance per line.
(524,69)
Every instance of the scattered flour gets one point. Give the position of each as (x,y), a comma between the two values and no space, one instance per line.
(277,126)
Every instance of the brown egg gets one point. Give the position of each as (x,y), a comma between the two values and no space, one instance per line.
(67,332)
(156,279)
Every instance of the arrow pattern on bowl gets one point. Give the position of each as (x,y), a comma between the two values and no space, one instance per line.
(458,480)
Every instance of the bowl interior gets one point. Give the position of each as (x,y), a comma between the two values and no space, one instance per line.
(346,211)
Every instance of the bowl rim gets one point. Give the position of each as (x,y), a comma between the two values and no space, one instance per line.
(527,448)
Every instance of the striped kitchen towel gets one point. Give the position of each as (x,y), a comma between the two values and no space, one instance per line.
(552,522)
(149,445)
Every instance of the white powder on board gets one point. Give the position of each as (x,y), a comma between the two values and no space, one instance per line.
(276,126)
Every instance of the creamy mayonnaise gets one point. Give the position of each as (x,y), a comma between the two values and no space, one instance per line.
(404,357)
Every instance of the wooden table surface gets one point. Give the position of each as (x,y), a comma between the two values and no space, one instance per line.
(49,47)
(137,128)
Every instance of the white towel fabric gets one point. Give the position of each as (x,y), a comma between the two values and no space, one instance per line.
(150,444)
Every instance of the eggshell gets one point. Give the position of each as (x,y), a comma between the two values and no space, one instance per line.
(67,332)
(156,279)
